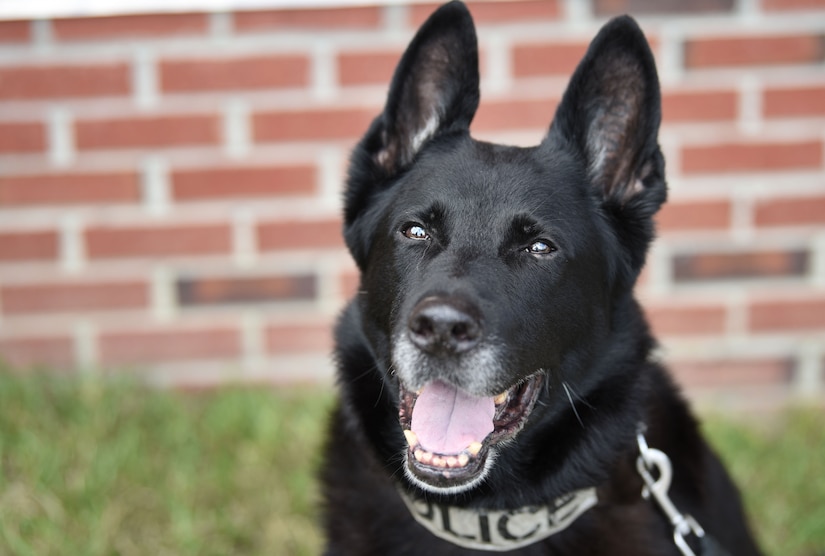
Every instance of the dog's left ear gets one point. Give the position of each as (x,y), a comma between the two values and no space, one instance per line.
(610,117)
(612,109)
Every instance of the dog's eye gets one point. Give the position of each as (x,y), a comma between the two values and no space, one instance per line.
(415,231)
(541,248)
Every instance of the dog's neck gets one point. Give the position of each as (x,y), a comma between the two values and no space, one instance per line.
(499,530)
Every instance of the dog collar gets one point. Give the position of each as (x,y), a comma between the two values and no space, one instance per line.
(499,530)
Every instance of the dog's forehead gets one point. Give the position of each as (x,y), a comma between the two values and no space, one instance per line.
(496,181)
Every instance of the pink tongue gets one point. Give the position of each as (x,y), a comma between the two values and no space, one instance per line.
(446,419)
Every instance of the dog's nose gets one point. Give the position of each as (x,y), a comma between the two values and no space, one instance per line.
(443,327)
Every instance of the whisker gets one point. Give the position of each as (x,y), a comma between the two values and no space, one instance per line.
(381,392)
(572,403)
(581,399)
(362,375)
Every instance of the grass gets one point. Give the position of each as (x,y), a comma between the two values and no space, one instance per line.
(98,468)
(88,468)
(780,469)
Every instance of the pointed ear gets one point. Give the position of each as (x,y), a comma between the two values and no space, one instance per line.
(434,92)
(610,114)
(434,89)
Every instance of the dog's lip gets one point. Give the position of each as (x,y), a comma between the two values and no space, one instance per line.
(512,408)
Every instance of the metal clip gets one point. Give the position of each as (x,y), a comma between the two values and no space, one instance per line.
(650,460)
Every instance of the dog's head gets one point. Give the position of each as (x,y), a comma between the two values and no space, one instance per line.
(491,274)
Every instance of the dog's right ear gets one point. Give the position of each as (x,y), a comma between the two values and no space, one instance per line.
(434,91)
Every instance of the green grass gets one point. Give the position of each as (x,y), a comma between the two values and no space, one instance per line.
(780,469)
(89,467)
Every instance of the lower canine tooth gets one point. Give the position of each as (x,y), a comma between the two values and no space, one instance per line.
(500,399)
(474,448)
(412,438)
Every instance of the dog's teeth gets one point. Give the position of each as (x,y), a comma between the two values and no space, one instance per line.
(463,459)
(423,456)
(412,438)
(452,461)
(474,448)
(438,461)
(501,398)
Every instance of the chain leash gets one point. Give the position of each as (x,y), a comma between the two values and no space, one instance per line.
(653,463)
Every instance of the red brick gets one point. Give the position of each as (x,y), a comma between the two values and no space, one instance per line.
(15,31)
(260,72)
(55,351)
(752,157)
(683,216)
(790,212)
(160,131)
(779,316)
(349,282)
(530,60)
(681,320)
(52,298)
(368,17)
(161,346)
(754,264)
(669,7)
(732,372)
(643,279)
(162,241)
(322,234)
(370,68)
(22,246)
(312,125)
(46,82)
(496,12)
(699,106)
(18,137)
(515,114)
(804,101)
(69,189)
(360,68)
(778,5)
(754,51)
(222,183)
(293,338)
(245,289)
(129,26)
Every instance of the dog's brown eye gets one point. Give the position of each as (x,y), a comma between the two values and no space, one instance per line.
(415,231)
(541,248)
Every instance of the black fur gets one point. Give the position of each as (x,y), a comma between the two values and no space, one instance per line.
(587,194)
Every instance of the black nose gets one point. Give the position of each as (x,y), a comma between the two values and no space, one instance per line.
(444,326)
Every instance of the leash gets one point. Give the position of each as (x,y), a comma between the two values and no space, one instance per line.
(503,530)
(652,461)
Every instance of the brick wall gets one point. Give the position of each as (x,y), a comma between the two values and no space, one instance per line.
(169,184)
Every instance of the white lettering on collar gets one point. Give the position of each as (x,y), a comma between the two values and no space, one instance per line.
(500,530)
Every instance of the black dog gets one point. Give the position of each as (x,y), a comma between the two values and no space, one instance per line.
(498,388)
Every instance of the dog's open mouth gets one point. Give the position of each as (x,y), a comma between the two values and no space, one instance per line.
(450,433)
